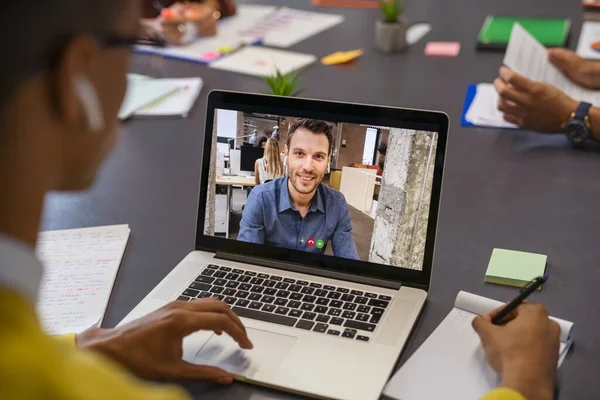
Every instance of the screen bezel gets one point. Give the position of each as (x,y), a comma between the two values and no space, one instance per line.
(329,111)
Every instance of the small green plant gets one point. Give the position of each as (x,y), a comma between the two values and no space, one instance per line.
(392,9)
(283,84)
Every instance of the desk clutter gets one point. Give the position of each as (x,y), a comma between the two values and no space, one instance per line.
(80,268)
(254,25)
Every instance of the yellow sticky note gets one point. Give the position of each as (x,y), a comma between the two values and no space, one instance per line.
(341,57)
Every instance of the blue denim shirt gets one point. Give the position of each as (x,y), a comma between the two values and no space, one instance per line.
(270,218)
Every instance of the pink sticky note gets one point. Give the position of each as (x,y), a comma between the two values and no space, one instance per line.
(210,56)
(442,49)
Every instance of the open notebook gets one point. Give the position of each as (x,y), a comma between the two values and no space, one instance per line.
(451,363)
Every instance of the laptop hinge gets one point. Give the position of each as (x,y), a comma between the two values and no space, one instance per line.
(265,262)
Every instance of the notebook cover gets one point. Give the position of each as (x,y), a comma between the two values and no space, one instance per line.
(471,91)
(495,31)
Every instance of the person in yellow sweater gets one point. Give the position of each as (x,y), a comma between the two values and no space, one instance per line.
(59,98)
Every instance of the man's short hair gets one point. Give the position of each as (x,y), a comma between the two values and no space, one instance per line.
(35,31)
(313,125)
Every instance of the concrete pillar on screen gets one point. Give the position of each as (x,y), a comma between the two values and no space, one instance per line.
(209,217)
(402,211)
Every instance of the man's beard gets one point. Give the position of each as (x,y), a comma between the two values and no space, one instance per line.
(305,187)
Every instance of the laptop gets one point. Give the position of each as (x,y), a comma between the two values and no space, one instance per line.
(330,306)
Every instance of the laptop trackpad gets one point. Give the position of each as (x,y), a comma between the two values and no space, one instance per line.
(270,349)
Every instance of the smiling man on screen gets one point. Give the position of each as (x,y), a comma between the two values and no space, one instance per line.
(298,212)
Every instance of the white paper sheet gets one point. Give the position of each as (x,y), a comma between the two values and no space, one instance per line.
(590,34)
(141,92)
(484,108)
(453,358)
(287,26)
(261,61)
(178,103)
(80,267)
(529,58)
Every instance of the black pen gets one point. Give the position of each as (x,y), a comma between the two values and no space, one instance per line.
(531,287)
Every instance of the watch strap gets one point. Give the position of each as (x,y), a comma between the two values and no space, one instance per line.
(582,111)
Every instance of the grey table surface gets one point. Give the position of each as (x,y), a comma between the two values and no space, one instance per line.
(507,189)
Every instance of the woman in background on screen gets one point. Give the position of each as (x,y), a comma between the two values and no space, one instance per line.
(270,166)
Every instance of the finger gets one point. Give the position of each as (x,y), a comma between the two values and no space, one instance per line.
(482,324)
(188,371)
(509,317)
(518,81)
(514,120)
(565,60)
(214,305)
(189,322)
(509,107)
(510,93)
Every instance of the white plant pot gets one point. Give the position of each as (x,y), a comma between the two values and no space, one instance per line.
(391,36)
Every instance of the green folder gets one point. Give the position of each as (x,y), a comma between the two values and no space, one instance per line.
(514,268)
(495,32)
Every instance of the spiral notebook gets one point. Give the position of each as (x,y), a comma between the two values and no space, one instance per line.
(451,363)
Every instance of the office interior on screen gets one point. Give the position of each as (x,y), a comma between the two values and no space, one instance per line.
(385,175)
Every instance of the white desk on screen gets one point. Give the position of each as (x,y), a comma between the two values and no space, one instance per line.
(229,181)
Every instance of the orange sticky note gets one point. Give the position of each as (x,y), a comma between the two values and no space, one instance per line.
(442,49)
(341,57)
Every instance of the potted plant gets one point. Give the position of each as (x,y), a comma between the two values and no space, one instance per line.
(283,84)
(390,33)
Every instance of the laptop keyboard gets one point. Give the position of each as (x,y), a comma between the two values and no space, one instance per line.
(331,310)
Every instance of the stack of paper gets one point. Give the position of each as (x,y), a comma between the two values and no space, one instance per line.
(514,268)
(80,268)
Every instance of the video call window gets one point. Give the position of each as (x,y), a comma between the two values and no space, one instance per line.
(331,187)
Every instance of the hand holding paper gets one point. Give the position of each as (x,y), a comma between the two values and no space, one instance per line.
(532,105)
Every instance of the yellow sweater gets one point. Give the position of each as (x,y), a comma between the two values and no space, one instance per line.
(36,366)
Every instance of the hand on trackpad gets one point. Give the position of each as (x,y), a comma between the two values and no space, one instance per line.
(270,349)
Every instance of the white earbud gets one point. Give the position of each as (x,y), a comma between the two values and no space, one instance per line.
(328,167)
(89,101)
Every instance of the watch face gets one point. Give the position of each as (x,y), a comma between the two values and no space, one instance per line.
(577,132)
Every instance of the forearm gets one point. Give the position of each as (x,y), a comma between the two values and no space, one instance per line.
(594,116)
(527,382)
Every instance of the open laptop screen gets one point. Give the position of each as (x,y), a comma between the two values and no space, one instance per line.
(331,187)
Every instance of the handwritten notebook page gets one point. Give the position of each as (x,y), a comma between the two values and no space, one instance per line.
(80,268)
(451,363)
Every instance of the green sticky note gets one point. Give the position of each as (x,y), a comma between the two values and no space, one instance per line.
(551,32)
(514,268)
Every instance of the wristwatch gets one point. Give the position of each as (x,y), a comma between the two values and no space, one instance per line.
(578,128)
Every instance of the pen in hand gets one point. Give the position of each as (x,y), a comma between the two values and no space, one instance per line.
(527,290)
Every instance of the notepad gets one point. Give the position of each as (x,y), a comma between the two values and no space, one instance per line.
(496,31)
(143,91)
(80,268)
(514,268)
(451,363)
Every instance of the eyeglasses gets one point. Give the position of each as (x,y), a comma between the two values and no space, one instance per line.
(122,41)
